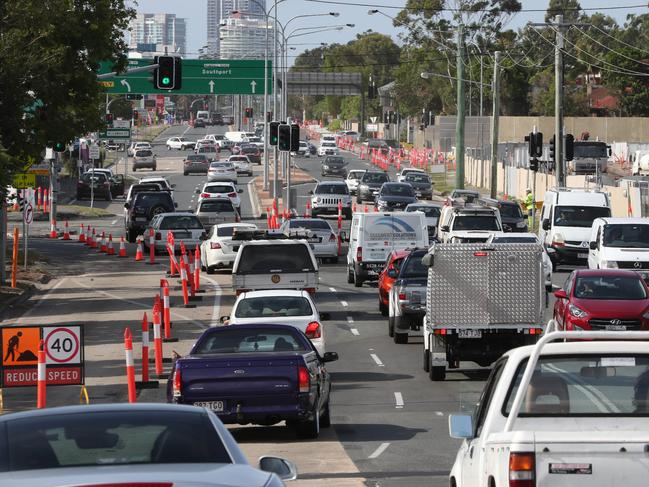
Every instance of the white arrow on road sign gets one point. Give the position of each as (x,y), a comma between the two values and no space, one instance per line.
(125,83)
(211,83)
(253,85)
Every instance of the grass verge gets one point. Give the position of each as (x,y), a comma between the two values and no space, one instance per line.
(84,211)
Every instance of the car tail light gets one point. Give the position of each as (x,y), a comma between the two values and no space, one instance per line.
(215,245)
(178,383)
(158,236)
(232,195)
(310,290)
(359,254)
(239,291)
(313,330)
(402,296)
(332,237)
(480,253)
(521,470)
(303,379)
(205,195)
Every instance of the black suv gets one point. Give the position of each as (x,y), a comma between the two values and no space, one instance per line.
(143,207)
(370,185)
(334,166)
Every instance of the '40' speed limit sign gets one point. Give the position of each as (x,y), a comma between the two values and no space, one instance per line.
(63,344)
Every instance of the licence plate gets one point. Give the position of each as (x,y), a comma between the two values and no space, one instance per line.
(582,256)
(469,333)
(615,328)
(140,218)
(181,235)
(216,406)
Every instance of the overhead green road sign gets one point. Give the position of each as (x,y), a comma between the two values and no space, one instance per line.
(115,133)
(200,77)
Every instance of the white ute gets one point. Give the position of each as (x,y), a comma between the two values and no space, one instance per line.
(560,414)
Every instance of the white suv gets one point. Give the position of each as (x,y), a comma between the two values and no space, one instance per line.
(180,143)
(326,196)
(327,148)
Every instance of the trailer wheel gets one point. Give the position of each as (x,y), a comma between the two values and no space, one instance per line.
(437,373)
(426,361)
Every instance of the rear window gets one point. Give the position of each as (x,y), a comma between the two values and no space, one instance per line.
(331,189)
(101,438)
(97,177)
(413,268)
(235,339)
(197,157)
(374,177)
(228,231)
(152,198)
(207,148)
(249,150)
(510,211)
(189,222)
(275,258)
(429,211)
(310,224)
(273,306)
(469,222)
(218,189)
(143,153)
(215,206)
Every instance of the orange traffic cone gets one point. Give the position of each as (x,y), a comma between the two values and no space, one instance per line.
(122,248)
(82,234)
(103,243)
(139,253)
(93,240)
(109,248)
(66,232)
(53,232)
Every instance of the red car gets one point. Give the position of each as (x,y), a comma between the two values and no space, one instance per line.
(387,277)
(602,299)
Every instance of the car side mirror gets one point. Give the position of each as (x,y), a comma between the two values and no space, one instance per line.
(198,191)
(175,205)
(240,191)
(127,205)
(310,192)
(560,294)
(224,319)
(203,236)
(546,224)
(592,245)
(445,228)
(325,316)
(330,357)
(284,469)
(428,260)
(392,273)
(460,426)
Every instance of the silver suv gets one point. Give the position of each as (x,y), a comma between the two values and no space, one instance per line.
(326,196)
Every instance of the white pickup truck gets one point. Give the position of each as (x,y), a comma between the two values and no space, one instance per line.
(560,414)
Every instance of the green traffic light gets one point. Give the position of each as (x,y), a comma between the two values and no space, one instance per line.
(166,80)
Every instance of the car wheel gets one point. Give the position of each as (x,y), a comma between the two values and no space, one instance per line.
(309,429)
(182,147)
(348,213)
(359,200)
(156,210)
(383,308)
(168,147)
(358,282)
(333,260)
(426,364)
(401,338)
(350,276)
(155,168)
(131,235)
(109,196)
(210,270)
(437,372)
(391,326)
(185,173)
(325,420)
(134,169)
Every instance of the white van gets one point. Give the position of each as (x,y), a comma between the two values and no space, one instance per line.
(567,216)
(374,235)
(619,243)
(236,136)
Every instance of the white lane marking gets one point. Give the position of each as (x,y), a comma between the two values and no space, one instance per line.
(350,320)
(379,450)
(439,413)
(43,298)
(113,222)
(216,314)
(377,360)
(187,129)
(344,303)
(355,332)
(398,398)
(332,289)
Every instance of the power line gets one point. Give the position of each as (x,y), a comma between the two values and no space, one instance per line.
(610,49)
(619,40)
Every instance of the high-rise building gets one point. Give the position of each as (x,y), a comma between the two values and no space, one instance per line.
(151,34)
(218,11)
(244,38)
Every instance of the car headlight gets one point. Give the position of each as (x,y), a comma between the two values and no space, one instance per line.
(521,224)
(558,240)
(608,264)
(325,167)
(576,312)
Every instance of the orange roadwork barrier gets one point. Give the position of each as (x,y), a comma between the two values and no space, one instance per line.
(157,339)
(145,348)
(130,365)
(14,260)
(197,270)
(151,246)
(41,381)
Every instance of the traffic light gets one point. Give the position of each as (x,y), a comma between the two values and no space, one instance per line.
(535,144)
(248,112)
(284,137)
(273,135)
(109,118)
(552,142)
(168,74)
(59,147)
(295,137)
(534,164)
(570,147)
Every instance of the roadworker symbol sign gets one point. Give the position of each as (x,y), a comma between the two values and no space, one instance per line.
(62,345)
(20,346)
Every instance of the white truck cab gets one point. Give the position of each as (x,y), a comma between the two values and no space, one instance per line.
(562,414)
(460,223)
(619,243)
(566,219)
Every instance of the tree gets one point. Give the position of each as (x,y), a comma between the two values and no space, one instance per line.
(49,54)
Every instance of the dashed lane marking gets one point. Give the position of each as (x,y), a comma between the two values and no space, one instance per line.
(398,399)
(377,360)
(382,447)
(344,303)
(350,320)
(355,332)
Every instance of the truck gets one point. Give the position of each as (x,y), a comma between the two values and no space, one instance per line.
(560,413)
(480,302)
(256,373)
(590,157)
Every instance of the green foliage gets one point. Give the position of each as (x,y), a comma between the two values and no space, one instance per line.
(49,52)
(335,125)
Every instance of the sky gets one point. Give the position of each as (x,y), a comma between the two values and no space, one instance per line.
(195,13)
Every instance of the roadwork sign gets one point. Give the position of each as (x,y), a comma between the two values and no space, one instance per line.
(24,180)
(63,351)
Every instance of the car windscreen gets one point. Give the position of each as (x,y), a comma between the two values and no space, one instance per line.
(310,224)
(578,216)
(221,189)
(237,339)
(273,306)
(397,190)
(412,267)
(109,438)
(228,231)
(610,288)
(590,150)
(429,211)
(602,384)
(374,177)
(510,211)
(328,144)
(216,206)
(414,177)
(334,161)
(275,259)
(331,189)
(188,222)
(472,222)
(626,235)
(355,174)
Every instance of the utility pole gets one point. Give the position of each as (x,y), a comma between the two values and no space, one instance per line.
(494,126)
(459,124)
(558,102)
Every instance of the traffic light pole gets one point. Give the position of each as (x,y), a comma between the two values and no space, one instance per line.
(558,103)
(494,128)
(459,124)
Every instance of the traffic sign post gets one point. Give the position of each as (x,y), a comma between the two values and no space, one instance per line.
(115,133)
(199,77)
